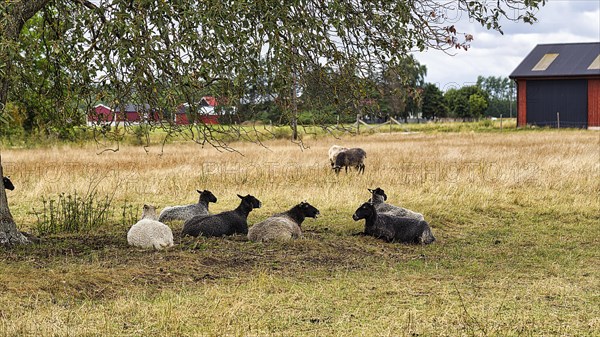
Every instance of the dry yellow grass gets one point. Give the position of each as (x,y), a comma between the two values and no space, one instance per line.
(516,216)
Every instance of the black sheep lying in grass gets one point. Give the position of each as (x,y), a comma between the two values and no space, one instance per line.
(225,223)
(393,228)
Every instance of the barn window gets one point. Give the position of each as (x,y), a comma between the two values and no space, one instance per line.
(544,62)
(595,64)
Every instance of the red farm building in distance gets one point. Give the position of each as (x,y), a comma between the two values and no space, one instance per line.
(134,114)
(205,112)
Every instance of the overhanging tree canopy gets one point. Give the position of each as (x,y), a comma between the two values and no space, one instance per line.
(163,52)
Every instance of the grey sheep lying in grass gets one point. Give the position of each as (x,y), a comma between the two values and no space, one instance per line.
(283,226)
(378,198)
(8,184)
(354,157)
(334,150)
(150,233)
(393,228)
(225,223)
(188,211)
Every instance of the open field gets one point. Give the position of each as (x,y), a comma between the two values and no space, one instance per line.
(516,215)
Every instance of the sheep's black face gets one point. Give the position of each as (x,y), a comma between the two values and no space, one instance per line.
(8,184)
(363,212)
(380,192)
(250,201)
(309,210)
(207,195)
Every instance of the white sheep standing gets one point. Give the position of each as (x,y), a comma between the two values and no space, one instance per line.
(333,153)
(149,232)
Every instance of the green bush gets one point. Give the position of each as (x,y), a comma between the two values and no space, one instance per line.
(73,213)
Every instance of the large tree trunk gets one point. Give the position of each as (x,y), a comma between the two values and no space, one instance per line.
(10,29)
(9,235)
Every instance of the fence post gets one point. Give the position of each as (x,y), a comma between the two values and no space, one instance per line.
(558,119)
(357,124)
(500,122)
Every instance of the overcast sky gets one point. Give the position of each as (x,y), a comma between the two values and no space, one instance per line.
(493,54)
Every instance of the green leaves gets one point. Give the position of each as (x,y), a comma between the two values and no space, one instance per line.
(170,52)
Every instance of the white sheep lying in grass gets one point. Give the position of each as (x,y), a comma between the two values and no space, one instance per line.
(149,233)
(283,226)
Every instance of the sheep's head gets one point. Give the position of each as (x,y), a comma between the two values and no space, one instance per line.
(308,210)
(149,212)
(8,184)
(364,211)
(378,191)
(207,196)
(250,201)
(336,168)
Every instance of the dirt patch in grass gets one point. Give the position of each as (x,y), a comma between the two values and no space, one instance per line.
(99,265)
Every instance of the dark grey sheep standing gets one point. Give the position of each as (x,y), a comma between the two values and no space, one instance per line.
(393,228)
(188,211)
(378,198)
(354,157)
(283,226)
(225,223)
(8,184)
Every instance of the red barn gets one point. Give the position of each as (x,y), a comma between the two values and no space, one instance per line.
(132,114)
(101,114)
(559,85)
(206,112)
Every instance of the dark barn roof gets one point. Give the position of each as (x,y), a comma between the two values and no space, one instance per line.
(561,60)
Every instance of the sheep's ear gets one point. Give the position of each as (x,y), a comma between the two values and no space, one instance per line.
(199,191)
(146,206)
(239,196)
(370,190)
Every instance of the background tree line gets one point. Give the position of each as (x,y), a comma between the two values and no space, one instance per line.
(399,92)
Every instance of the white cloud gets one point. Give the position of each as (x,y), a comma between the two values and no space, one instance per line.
(493,54)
